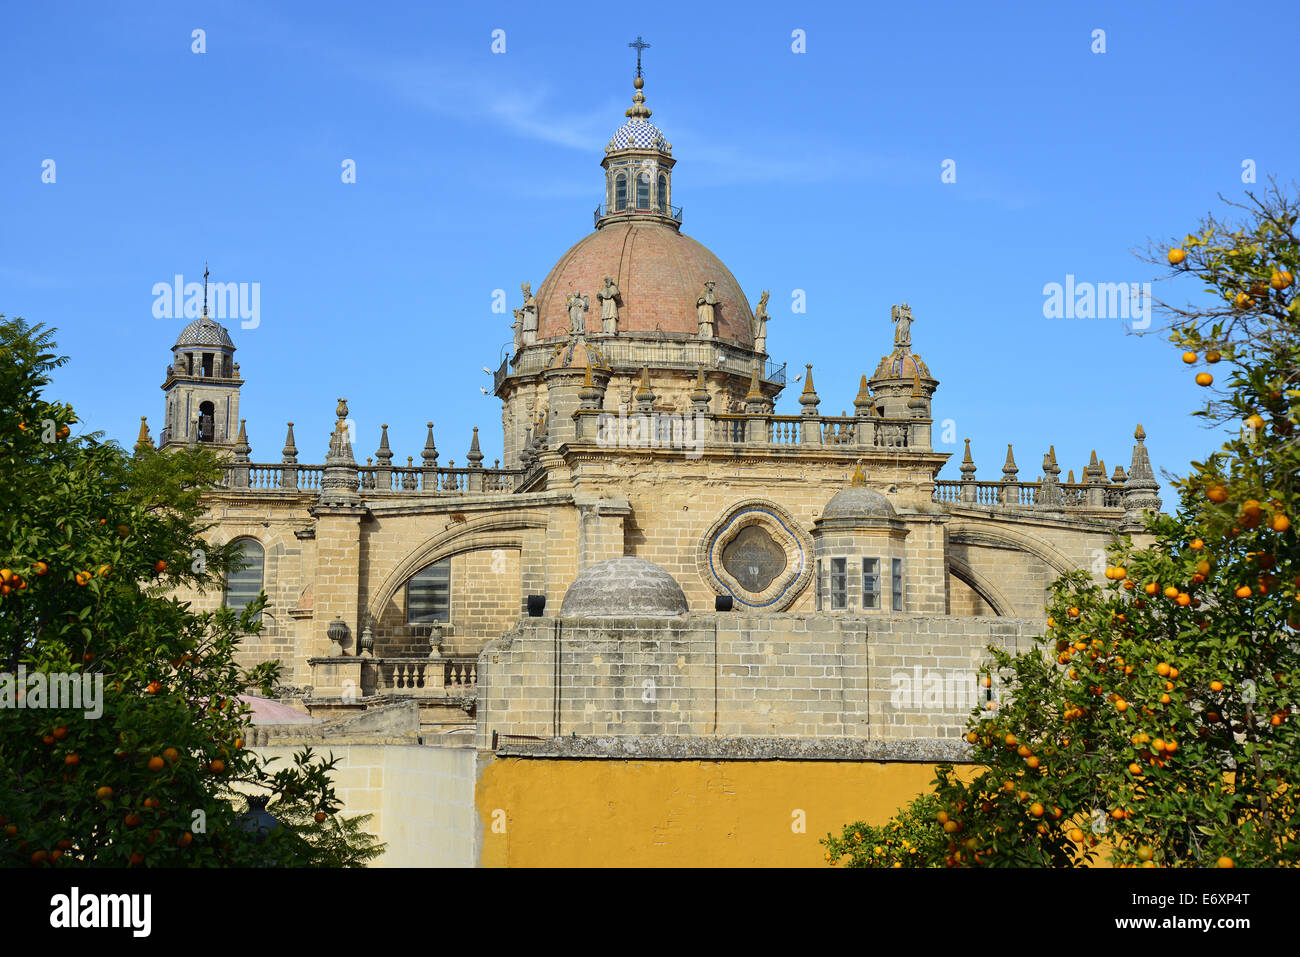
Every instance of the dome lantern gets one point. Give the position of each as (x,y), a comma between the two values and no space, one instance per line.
(638,167)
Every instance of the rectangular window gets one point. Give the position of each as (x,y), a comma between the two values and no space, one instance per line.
(898,584)
(871,583)
(839,582)
(817,585)
(428,594)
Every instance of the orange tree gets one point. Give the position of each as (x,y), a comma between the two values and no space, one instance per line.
(147,765)
(1154,720)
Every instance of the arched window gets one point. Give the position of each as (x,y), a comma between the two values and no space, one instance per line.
(428,593)
(244,583)
(620,192)
(643,191)
(663,193)
(207,423)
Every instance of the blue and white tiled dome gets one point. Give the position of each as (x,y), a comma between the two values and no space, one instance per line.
(204,332)
(639,134)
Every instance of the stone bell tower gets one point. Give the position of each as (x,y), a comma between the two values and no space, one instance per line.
(201,387)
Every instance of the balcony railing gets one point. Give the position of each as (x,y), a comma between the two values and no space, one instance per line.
(672,212)
(371,479)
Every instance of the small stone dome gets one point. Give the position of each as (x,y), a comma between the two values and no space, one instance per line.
(204,332)
(623,588)
(901,365)
(858,502)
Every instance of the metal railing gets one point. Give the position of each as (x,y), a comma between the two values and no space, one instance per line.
(672,212)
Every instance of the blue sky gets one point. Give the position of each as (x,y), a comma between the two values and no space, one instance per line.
(817,171)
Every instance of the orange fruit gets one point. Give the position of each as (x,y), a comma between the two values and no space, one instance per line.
(1281,523)
(1145,853)
(42,568)
(171,754)
(1176,256)
(1197,545)
(104,793)
(1204,378)
(72,760)
(1150,588)
(1036,810)
(320,816)
(104,570)
(1135,769)
(1121,705)
(136,858)
(1244,591)
(153,687)
(1162,669)
(1216,685)
(1226,862)
(1032,761)
(156,763)
(60,733)
(1189,357)
(185,840)
(1280,280)
(217,766)
(1076,835)
(1217,494)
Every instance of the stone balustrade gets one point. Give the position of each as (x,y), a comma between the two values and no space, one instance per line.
(371,479)
(431,677)
(1030,494)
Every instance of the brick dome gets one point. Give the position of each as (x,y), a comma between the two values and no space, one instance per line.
(659,273)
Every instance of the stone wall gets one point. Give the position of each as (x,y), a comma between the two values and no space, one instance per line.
(876,678)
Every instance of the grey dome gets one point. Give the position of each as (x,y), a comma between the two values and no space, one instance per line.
(858,502)
(204,332)
(623,588)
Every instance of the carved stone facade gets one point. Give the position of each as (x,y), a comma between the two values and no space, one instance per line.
(638,423)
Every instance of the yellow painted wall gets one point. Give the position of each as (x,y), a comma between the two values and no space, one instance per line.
(613,813)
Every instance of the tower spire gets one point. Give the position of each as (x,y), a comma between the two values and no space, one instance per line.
(205,289)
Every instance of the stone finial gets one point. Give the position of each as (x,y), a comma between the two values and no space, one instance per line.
(592,393)
(700,398)
(967,465)
(1009,469)
(289,454)
(143,441)
(384,454)
(339,480)
(1095,473)
(754,391)
(1141,486)
(1069,478)
(475,456)
(1049,463)
(863,402)
(1119,478)
(645,396)
(809,398)
(429,454)
(242,448)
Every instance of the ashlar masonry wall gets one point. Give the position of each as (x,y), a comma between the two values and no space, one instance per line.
(889,679)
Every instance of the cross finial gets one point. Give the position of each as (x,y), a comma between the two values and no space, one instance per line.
(205,287)
(640,45)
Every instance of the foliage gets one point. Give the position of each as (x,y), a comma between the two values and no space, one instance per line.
(94,545)
(1154,720)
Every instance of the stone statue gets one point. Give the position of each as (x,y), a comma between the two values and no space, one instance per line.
(609,297)
(760,324)
(902,319)
(526,318)
(704,310)
(577,305)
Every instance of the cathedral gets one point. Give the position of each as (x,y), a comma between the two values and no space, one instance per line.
(648,503)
